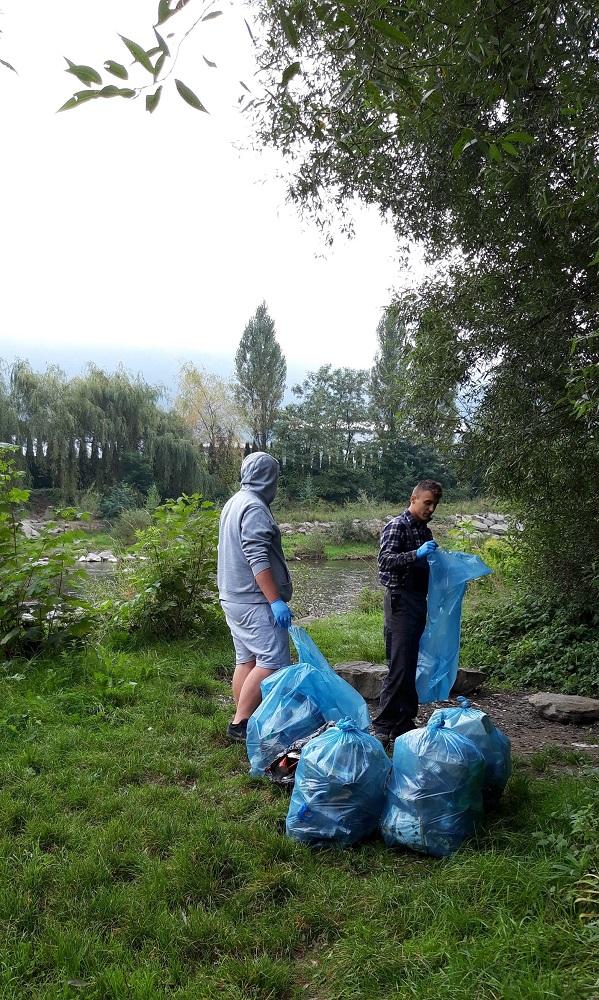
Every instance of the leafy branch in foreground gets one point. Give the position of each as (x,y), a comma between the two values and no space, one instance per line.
(158,62)
(38,608)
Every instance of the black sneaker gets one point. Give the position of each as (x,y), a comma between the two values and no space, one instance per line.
(237,731)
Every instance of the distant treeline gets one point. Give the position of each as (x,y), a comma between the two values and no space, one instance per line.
(349,432)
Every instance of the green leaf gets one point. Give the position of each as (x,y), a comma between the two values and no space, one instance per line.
(509,148)
(152,100)
(79,98)
(86,74)
(494,152)
(391,31)
(162,44)
(212,15)
(15,495)
(164,11)
(159,64)
(519,137)
(112,91)
(595,259)
(209,62)
(189,97)
(467,138)
(139,54)
(292,70)
(117,69)
(289,29)
(9,635)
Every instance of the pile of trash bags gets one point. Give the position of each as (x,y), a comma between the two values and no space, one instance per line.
(310,732)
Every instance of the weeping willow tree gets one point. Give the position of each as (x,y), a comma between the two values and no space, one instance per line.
(95,430)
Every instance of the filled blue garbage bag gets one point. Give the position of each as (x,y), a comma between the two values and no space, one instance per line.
(339,788)
(434,793)
(438,655)
(296,701)
(491,741)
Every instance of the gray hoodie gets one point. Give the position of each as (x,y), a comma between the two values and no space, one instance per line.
(249,539)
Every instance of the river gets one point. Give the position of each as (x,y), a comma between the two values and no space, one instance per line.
(319,588)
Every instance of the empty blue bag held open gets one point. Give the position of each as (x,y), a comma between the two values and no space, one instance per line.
(438,655)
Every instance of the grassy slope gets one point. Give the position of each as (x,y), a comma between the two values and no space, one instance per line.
(140,861)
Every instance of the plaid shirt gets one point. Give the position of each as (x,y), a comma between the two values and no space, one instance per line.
(399,540)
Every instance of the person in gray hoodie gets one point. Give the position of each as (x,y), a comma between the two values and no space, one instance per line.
(254,585)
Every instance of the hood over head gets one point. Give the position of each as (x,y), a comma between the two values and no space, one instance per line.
(260,474)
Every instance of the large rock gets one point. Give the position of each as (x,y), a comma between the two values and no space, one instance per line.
(28,529)
(565,707)
(367,678)
(467,682)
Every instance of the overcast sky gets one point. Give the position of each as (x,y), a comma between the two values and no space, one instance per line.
(162,232)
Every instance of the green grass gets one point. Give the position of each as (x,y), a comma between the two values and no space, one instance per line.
(138,859)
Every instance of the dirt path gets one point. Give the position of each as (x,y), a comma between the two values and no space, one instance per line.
(526,729)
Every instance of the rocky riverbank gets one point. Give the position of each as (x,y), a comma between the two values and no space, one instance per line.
(477,525)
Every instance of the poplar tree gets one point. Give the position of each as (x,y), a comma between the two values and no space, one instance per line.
(261,371)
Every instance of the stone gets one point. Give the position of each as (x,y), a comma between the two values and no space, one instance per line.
(367,678)
(107,556)
(92,557)
(28,529)
(499,529)
(565,707)
(467,681)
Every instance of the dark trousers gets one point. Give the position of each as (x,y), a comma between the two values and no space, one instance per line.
(405,618)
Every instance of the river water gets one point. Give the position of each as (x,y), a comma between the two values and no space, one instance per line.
(324,588)
(319,588)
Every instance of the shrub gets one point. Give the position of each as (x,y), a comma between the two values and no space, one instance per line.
(129,522)
(350,529)
(532,642)
(38,608)
(121,497)
(175,581)
(153,499)
(312,546)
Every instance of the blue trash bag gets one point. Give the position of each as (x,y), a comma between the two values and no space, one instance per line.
(434,793)
(492,743)
(298,700)
(440,643)
(339,788)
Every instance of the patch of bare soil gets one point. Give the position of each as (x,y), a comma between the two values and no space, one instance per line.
(526,729)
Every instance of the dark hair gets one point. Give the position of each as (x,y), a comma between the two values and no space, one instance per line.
(430,486)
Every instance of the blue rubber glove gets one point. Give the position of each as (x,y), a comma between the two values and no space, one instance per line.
(426,549)
(282,613)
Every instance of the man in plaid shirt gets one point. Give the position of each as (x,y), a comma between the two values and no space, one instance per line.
(406,541)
